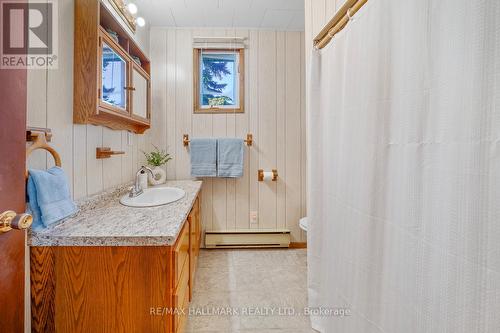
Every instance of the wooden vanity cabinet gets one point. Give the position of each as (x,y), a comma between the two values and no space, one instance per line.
(115,288)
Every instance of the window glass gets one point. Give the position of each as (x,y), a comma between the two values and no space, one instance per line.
(219,82)
(113,77)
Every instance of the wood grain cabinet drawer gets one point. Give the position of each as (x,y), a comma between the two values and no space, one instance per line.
(181,255)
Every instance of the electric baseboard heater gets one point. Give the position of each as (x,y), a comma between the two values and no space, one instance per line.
(247,239)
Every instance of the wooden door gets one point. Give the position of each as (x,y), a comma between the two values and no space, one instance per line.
(113,76)
(12,196)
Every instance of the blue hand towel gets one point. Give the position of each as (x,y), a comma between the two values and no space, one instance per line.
(49,197)
(203,157)
(230,157)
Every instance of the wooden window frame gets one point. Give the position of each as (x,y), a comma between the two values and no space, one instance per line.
(196,82)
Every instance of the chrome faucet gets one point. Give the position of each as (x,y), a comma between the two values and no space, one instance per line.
(137,189)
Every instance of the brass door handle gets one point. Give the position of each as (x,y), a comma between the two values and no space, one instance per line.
(11,220)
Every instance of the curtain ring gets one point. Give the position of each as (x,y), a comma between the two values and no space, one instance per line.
(349,16)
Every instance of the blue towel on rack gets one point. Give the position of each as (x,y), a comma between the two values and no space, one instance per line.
(230,154)
(203,157)
(49,197)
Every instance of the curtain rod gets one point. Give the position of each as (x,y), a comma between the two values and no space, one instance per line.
(195,38)
(338,22)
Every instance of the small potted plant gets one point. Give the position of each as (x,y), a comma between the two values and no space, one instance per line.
(156,159)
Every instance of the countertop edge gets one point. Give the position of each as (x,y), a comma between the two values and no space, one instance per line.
(40,240)
(103,241)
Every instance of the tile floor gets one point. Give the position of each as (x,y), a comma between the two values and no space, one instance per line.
(252,281)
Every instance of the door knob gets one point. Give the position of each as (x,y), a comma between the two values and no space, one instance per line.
(10,220)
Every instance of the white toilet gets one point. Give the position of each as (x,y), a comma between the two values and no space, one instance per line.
(303,223)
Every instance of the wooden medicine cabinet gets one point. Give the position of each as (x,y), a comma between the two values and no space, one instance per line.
(112,84)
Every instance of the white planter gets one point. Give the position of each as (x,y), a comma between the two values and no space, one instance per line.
(160,176)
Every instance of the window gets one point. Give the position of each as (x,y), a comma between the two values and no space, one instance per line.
(218,76)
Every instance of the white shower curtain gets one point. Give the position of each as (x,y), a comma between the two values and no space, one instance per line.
(404,170)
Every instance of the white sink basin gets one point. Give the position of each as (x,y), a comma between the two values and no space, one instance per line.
(155,196)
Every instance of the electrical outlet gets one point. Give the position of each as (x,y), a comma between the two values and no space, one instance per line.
(254,217)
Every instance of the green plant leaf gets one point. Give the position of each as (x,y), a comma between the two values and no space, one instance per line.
(157,157)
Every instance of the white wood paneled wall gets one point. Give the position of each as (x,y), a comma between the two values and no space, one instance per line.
(50,104)
(274,113)
(318,13)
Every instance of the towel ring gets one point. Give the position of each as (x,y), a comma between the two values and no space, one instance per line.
(41,143)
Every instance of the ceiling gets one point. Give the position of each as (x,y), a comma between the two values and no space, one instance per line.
(264,14)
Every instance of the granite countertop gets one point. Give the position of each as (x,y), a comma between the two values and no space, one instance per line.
(103,221)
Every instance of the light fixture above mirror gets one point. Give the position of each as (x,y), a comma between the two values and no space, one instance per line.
(132,8)
(140,21)
(127,11)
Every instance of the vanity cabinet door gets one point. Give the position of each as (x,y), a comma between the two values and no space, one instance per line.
(113,78)
(181,256)
(181,303)
(140,93)
(181,278)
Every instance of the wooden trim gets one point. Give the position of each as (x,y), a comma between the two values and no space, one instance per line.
(105,107)
(86,60)
(298,245)
(145,75)
(141,70)
(196,80)
(338,22)
(105,38)
(106,152)
(118,122)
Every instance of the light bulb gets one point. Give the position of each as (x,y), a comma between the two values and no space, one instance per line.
(132,8)
(140,21)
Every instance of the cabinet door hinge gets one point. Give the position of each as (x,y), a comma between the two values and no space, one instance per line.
(99,93)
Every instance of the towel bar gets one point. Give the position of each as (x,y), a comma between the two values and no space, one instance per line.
(248,140)
(33,132)
(106,152)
